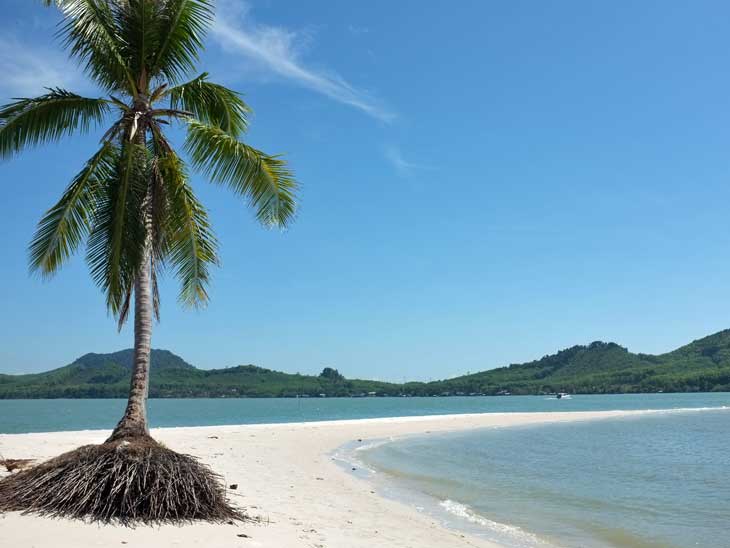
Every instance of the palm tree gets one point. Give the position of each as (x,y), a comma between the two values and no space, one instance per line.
(132,203)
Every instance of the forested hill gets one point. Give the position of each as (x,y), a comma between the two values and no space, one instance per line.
(703,365)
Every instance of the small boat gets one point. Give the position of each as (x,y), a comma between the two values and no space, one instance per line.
(562,396)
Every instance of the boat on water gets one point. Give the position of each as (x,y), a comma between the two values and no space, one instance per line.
(562,396)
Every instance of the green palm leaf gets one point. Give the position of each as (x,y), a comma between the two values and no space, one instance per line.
(190,242)
(64,227)
(47,118)
(117,240)
(265,180)
(92,36)
(138,24)
(212,104)
(182,29)
(132,202)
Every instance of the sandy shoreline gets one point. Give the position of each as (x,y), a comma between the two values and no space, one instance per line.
(286,475)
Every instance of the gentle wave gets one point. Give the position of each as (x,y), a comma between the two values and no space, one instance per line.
(465,512)
(612,500)
(678,410)
(348,455)
(372,444)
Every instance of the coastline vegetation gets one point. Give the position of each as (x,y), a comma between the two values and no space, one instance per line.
(597,368)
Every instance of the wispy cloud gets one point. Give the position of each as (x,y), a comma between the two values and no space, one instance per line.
(279,51)
(402,166)
(356,30)
(27,69)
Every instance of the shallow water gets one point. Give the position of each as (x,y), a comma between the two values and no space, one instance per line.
(56,415)
(656,480)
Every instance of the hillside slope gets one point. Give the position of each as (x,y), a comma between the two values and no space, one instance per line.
(703,365)
(107,376)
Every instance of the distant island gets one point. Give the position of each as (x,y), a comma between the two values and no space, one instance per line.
(598,368)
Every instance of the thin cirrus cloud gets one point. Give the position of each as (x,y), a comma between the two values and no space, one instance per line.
(27,70)
(278,51)
(402,166)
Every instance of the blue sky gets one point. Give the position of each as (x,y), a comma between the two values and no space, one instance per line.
(483,183)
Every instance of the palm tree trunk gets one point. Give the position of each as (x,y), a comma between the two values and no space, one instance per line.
(134,421)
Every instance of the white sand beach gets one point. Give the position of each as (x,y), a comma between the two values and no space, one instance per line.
(285,474)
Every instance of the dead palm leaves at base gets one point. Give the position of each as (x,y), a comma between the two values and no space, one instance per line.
(11,465)
(127,482)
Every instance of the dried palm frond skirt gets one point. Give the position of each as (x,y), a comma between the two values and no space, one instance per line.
(127,481)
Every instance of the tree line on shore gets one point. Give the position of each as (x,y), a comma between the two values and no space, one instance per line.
(598,368)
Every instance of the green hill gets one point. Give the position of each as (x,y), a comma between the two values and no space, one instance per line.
(107,376)
(703,365)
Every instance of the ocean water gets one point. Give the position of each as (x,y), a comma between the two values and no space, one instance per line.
(18,416)
(658,480)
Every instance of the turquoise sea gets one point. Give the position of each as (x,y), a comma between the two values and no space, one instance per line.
(658,480)
(56,415)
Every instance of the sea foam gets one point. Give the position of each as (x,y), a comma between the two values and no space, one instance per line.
(465,512)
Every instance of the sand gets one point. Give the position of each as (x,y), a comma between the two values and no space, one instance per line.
(285,474)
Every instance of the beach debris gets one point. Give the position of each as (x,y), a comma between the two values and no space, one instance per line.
(319,479)
(233,486)
(359,439)
(353,468)
(243,535)
(212,437)
(11,465)
(128,482)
